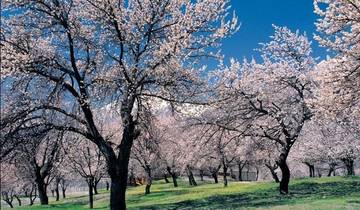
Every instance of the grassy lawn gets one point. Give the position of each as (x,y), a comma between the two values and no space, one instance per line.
(317,193)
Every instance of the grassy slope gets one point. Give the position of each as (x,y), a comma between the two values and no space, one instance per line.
(324,193)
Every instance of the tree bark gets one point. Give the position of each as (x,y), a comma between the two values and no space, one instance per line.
(18,199)
(118,166)
(273,173)
(148,180)
(107,186)
(63,185)
(191,176)
(201,175)
(166,179)
(117,194)
(311,169)
(349,164)
(8,201)
(190,182)
(225,168)
(319,173)
(57,181)
(91,195)
(10,204)
(240,168)
(215,176)
(57,193)
(284,183)
(32,196)
(173,176)
(63,193)
(331,169)
(44,200)
(95,187)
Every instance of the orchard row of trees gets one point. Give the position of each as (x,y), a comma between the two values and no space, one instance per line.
(119,89)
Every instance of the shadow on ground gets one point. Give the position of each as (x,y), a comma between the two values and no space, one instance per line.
(269,197)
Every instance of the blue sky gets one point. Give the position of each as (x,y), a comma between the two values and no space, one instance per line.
(257,17)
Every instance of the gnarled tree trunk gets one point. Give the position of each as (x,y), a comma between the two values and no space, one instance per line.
(166,179)
(18,199)
(331,169)
(241,165)
(63,192)
(349,164)
(201,173)
(173,176)
(285,179)
(191,176)
(215,176)
(95,184)
(32,195)
(311,169)
(273,172)
(44,200)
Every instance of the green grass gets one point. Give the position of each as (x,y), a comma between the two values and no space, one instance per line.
(315,193)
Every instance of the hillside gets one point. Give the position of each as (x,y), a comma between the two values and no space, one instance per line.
(317,193)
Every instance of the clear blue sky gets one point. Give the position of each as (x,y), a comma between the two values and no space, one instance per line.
(257,17)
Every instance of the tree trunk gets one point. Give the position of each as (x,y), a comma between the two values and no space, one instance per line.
(349,164)
(91,195)
(63,193)
(284,183)
(57,193)
(173,175)
(52,192)
(311,169)
(18,199)
(63,185)
(319,173)
(107,186)
(148,180)
(26,193)
(273,173)
(240,167)
(119,179)
(118,166)
(117,194)
(215,176)
(44,200)
(247,173)
(32,196)
(201,175)
(331,169)
(191,176)
(9,203)
(95,187)
(57,181)
(166,179)
(225,168)
(132,179)
(275,176)
(190,181)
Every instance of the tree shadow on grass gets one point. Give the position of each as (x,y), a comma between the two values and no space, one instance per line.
(269,197)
